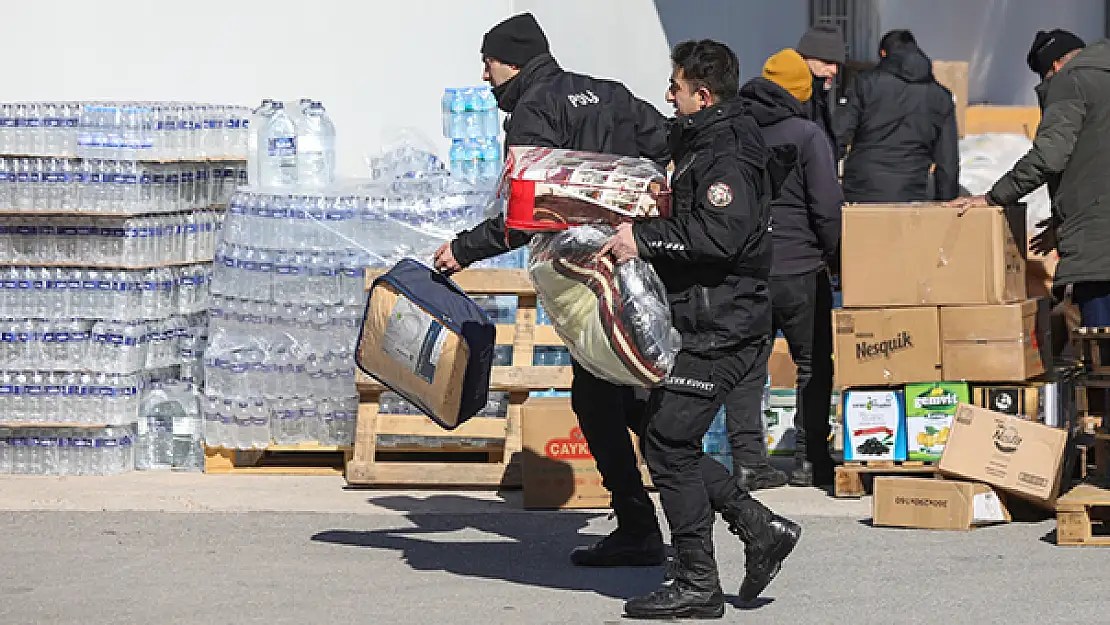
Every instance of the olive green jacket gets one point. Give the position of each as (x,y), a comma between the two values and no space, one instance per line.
(1071,153)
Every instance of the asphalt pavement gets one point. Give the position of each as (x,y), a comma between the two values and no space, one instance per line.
(222,554)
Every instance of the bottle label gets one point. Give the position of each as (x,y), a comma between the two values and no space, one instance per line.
(282,146)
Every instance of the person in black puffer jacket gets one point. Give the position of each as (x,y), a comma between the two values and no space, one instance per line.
(899,122)
(805,229)
(553,108)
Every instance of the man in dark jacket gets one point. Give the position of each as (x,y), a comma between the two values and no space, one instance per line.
(553,108)
(713,256)
(824,51)
(805,230)
(899,122)
(1069,154)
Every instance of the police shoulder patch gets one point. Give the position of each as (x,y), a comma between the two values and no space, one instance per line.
(720,194)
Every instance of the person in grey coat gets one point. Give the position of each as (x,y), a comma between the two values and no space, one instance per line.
(1069,154)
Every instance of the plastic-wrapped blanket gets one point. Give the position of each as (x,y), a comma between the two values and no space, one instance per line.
(985,158)
(614,319)
(549,189)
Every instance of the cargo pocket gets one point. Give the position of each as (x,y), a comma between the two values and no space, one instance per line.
(687,401)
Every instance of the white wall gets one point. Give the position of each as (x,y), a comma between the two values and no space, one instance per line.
(993,36)
(375,64)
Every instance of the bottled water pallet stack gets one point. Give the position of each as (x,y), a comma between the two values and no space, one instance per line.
(105,267)
(289,297)
(391,438)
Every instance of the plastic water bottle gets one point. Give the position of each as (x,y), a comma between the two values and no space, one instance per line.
(491,120)
(445,111)
(279,162)
(315,147)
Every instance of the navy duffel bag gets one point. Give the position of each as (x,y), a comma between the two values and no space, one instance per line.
(427,341)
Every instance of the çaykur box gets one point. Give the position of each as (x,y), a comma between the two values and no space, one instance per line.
(553,189)
(427,341)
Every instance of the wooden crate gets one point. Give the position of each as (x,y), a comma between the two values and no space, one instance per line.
(300,459)
(368,468)
(1083,517)
(848,480)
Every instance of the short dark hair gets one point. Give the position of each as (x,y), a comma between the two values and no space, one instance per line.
(896,39)
(709,64)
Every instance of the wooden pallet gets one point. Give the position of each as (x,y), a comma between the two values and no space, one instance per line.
(368,467)
(1093,342)
(848,482)
(1083,517)
(300,459)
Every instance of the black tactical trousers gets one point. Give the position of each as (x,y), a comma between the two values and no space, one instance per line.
(802,308)
(606,412)
(691,484)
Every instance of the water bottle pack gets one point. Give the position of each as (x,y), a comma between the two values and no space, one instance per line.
(122,295)
(107,346)
(469,113)
(110,241)
(115,186)
(67,451)
(170,431)
(154,131)
(471,121)
(291,145)
(280,372)
(70,397)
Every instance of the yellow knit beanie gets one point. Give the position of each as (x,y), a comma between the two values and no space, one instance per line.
(788,70)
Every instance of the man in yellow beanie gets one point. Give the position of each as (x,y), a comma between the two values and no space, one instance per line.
(805,233)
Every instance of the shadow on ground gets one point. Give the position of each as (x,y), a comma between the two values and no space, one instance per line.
(534,553)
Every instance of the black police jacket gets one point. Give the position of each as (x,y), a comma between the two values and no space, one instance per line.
(714,253)
(553,108)
(899,122)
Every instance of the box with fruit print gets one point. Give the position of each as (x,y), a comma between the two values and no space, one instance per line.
(930,408)
(874,425)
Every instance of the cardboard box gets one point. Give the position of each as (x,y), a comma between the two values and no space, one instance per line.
(781,366)
(925,254)
(987,118)
(929,412)
(991,343)
(1016,456)
(1022,401)
(779,426)
(925,503)
(886,347)
(874,425)
(954,76)
(557,468)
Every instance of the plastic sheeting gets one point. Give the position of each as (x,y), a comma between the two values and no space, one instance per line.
(985,158)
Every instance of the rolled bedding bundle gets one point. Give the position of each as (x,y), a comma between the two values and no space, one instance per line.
(614,318)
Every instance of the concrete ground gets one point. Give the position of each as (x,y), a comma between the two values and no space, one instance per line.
(180,548)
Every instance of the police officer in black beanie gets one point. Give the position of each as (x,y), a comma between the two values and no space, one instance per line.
(1069,155)
(550,107)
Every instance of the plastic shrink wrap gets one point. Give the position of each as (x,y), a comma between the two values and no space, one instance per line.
(614,318)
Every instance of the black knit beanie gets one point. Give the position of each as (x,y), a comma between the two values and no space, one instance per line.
(823,42)
(1049,47)
(515,41)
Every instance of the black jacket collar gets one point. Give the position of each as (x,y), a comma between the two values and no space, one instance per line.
(539,68)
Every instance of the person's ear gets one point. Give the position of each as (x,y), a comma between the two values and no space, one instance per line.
(705,97)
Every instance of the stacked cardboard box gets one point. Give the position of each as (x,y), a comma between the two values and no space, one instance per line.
(937,320)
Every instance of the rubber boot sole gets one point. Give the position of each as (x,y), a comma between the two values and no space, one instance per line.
(688,612)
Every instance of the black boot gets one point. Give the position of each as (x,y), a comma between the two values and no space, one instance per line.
(637,540)
(768,539)
(760,476)
(802,475)
(695,591)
